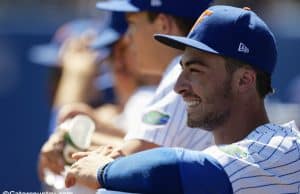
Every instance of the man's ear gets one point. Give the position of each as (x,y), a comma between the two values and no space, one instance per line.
(244,79)
(164,24)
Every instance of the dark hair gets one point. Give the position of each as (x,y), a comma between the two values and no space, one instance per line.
(184,24)
(263,79)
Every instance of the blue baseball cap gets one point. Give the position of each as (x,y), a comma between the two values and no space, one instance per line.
(184,8)
(230,32)
(113,32)
(48,54)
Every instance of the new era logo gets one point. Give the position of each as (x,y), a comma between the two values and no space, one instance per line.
(156,3)
(243,48)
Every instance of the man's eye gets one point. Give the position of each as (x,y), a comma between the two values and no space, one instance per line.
(195,70)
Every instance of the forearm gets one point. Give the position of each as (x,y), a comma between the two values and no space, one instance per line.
(73,87)
(166,170)
(105,117)
(100,139)
(136,145)
(155,171)
(110,129)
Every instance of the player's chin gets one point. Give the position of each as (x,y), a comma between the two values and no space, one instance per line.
(195,111)
(193,121)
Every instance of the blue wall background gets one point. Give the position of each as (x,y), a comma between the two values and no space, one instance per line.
(24,113)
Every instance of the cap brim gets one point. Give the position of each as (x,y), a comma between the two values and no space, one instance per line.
(45,55)
(105,39)
(121,6)
(181,43)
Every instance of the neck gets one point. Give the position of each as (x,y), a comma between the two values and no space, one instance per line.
(241,122)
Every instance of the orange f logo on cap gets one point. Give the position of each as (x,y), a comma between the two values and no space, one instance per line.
(202,17)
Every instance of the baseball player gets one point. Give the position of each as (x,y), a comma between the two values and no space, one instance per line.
(229,57)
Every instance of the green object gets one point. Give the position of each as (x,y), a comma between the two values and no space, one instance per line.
(235,151)
(156,118)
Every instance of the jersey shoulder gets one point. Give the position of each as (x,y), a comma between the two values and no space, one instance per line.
(266,161)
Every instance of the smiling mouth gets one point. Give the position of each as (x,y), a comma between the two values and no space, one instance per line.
(193,103)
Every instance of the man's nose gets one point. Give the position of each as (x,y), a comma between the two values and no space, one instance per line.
(182,84)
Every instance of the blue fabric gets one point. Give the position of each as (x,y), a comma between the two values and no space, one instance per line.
(232,32)
(154,171)
(202,174)
(183,8)
(47,54)
(113,33)
(165,170)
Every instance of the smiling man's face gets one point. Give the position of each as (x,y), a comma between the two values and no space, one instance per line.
(206,87)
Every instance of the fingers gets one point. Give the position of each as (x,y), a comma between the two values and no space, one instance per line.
(70,179)
(105,150)
(72,44)
(84,171)
(116,153)
(93,148)
(41,168)
(109,151)
(76,53)
(55,163)
(51,155)
(79,155)
(87,37)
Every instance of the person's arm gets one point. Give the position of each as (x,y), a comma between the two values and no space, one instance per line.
(165,170)
(79,69)
(136,145)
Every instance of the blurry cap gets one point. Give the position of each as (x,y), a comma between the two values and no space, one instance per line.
(184,8)
(113,32)
(47,54)
(231,32)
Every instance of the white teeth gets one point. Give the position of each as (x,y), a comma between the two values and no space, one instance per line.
(192,103)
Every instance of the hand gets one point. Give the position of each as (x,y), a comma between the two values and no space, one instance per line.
(51,155)
(109,151)
(70,110)
(84,171)
(76,55)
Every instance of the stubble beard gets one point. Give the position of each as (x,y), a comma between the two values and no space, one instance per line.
(214,116)
(209,121)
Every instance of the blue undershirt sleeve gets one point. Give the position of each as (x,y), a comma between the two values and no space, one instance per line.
(153,171)
(165,170)
(202,174)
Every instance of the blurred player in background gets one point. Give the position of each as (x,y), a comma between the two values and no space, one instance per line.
(126,81)
(74,69)
(69,64)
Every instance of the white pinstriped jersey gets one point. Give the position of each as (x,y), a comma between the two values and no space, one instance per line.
(266,161)
(164,119)
(133,107)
